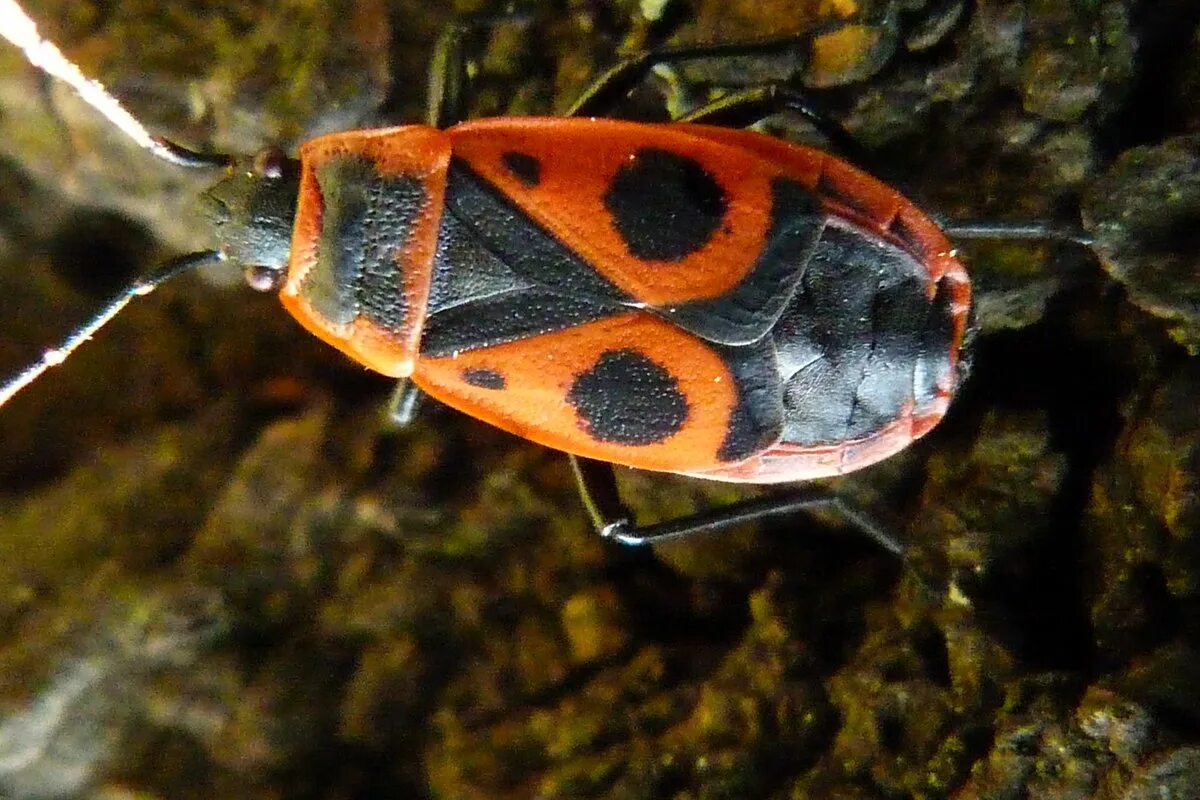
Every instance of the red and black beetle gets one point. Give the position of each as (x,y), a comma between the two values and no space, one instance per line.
(680,297)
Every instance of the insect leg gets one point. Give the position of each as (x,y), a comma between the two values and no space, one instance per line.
(611,87)
(597,487)
(598,490)
(406,402)
(1028,231)
(446,101)
(449,77)
(745,107)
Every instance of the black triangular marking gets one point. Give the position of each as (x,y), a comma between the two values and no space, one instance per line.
(528,250)
(502,318)
(464,271)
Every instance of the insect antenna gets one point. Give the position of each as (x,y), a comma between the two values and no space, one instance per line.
(18,28)
(138,288)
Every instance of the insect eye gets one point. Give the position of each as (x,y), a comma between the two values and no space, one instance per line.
(263,279)
(269,163)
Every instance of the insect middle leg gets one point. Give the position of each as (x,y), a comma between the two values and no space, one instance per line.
(404,404)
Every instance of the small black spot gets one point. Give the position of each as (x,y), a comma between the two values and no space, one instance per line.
(665,206)
(628,399)
(526,168)
(484,378)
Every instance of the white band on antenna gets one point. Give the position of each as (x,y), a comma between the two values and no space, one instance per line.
(18,28)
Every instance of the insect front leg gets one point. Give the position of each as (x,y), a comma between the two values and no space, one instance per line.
(448,99)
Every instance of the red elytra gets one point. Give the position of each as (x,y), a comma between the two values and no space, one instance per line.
(674,297)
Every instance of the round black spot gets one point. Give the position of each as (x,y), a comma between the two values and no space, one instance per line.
(484,378)
(665,206)
(526,168)
(628,399)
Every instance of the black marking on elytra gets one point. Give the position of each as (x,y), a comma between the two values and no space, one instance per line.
(484,378)
(827,188)
(747,312)
(464,271)
(907,237)
(628,399)
(367,221)
(664,205)
(480,296)
(524,167)
(524,247)
(756,421)
(503,318)
(855,339)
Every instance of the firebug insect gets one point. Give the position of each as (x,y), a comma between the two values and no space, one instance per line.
(682,297)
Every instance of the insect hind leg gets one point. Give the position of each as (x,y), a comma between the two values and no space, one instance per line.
(608,90)
(745,107)
(598,490)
